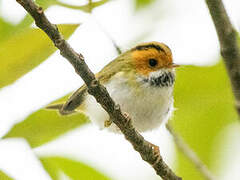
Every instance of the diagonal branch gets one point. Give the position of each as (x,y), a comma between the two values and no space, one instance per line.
(149,152)
(190,154)
(230,51)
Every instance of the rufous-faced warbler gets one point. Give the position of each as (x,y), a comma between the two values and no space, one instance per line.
(140,80)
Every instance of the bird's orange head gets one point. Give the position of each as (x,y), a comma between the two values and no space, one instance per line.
(151,57)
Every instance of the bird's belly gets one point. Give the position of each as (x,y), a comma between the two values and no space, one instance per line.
(148,106)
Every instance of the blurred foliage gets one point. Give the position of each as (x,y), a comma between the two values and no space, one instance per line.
(5,29)
(86,8)
(44,126)
(73,169)
(3,176)
(25,23)
(28,20)
(203,99)
(142,3)
(46,3)
(204,107)
(10,29)
(23,51)
(17,56)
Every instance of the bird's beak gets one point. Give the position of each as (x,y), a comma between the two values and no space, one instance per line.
(174,65)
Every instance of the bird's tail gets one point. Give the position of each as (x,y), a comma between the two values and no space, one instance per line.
(59,107)
(55,106)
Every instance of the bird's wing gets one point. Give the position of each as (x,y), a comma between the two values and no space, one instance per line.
(78,97)
(117,65)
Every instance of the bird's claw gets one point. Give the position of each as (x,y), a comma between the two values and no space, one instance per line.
(156,152)
(107,123)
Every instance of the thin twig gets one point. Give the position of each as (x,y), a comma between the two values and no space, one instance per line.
(149,152)
(230,51)
(190,154)
(90,5)
(117,48)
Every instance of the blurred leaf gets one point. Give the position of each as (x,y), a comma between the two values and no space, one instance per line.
(86,8)
(28,20)
(46,3)
(22,52)
(73,169)
(204,104)
(45,125)
(5,29)
(142,3)
(4,176)
(25,23)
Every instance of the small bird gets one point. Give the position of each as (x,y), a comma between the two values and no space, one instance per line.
(140,80)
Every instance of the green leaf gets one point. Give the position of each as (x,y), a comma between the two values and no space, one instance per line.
(23,51)
(86,8)
(28,20)
(73,169)
(25,23)
(204,106)
(5,29)
(46,3)
(44,126)
(142,3)
(4,176)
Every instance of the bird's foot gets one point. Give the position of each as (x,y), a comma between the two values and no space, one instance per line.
(107,123)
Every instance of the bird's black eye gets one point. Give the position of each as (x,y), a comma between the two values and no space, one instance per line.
(152,62)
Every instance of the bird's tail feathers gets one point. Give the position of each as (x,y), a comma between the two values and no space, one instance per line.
(59,107)
(55,106)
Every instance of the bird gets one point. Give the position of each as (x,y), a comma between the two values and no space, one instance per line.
(140,80)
